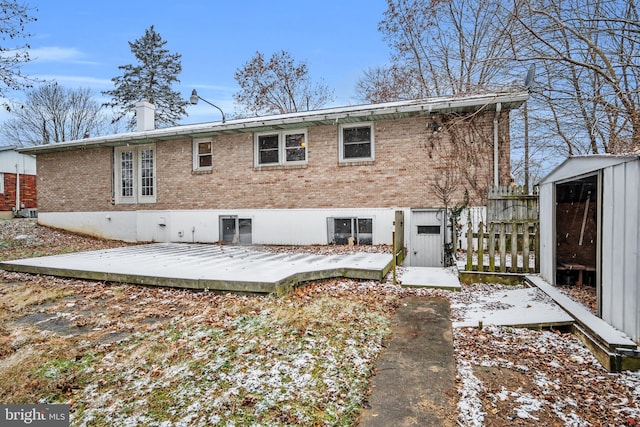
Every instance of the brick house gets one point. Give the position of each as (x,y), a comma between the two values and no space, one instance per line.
(17,183)
(314,177)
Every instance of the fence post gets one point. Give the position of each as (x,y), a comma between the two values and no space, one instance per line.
(469,246)
(525,247)
(492,247)
(503,248)
(454,242)
(481,246)
(536,245)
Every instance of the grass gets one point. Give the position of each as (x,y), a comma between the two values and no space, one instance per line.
(207,359)
(131,355)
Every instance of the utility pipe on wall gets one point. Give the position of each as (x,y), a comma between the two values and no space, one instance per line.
(17,189)
(496,176)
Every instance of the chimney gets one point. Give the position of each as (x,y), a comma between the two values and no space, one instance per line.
(145,116)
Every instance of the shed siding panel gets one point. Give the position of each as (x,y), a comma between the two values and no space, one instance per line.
(631,245)
(547,239)
(620,248)
(607,239)
(614,289)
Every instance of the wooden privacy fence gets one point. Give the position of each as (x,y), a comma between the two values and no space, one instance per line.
(508,241)
(512,204)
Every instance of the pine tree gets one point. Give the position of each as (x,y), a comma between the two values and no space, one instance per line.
(151,80)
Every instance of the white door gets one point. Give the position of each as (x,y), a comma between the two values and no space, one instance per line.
(427,232)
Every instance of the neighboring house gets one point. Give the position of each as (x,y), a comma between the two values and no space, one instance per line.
(17,183)
(590,233)
(315,177)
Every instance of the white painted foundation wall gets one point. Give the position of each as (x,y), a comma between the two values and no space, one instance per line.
(269,226)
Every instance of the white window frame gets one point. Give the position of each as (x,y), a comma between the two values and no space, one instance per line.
(1,183)
(372,157)
(355,229)
(197,154)
(137,195)
(282,149)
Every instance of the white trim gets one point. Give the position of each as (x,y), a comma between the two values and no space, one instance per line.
(427,106)
(342,159)
(137,195)
(197,154)
(1,183)
(282,149)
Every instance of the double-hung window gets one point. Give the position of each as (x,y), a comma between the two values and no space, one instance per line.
(356,142)
(135,174)
(202,155)
(281,148)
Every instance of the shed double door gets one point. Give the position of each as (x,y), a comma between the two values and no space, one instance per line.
(426,238)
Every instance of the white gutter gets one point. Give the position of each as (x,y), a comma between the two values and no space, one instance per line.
(359,112)
(496,176)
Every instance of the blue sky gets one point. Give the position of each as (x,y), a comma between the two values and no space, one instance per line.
(82,43)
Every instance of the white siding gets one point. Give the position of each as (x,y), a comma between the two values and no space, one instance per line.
(109,225)
(269,226)
(547,232)
(9,159)
(620,234)
(621,248)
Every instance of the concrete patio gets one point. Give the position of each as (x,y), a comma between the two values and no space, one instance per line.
(201,266)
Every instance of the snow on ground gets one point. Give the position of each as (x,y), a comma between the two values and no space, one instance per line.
(516,376)
(228,348)
(506,306)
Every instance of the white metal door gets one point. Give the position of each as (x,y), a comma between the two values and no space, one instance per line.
(426,238)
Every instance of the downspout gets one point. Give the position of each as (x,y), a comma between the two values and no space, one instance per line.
(17,189)
(496,177)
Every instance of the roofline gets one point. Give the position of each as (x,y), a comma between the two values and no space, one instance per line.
(623,157)
(356,113)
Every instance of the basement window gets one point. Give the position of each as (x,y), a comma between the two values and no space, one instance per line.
(202,155)
(281,148)
(235,230)
(342,230)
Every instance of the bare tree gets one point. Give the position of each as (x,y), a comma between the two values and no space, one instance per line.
(14,17)
(52,113)
(279,85)
(589,51)
(381,84)
(445,47)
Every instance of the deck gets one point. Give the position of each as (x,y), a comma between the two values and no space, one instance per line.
(202,266)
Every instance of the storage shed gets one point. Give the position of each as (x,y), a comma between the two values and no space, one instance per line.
(590,233)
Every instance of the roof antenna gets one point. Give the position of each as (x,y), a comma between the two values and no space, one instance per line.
(528,80)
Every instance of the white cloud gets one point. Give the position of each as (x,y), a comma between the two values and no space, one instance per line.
(58,54)
(75,81)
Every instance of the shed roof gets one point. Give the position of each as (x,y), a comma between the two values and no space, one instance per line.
(349,114)
(576,166)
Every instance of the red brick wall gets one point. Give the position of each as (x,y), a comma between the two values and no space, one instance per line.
(409,160)
(28,196)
